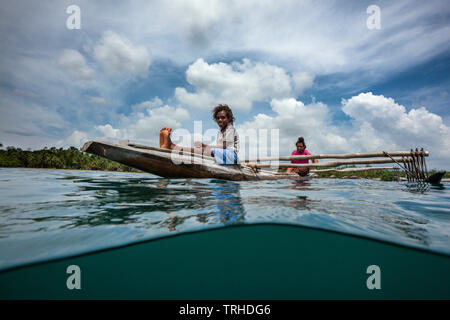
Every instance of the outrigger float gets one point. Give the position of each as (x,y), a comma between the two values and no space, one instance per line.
(176,164)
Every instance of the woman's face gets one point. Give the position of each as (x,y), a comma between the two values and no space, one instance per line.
(300,147)
(222,119)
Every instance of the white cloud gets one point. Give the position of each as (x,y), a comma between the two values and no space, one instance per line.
(302,81)
(109,132)
(75,139)
(154,103)
(119,57)
(382,122)
(201,100)
(294,119)
(320,37)
(379,124)
(142,126)
(74,64)
(145,127)
(239,84)
(324,37)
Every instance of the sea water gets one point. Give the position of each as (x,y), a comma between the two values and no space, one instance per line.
(48,214)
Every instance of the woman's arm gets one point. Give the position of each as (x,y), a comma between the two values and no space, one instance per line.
(313,160)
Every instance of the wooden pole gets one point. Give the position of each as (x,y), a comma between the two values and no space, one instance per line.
(355,169)
(324,164)
(175,151)
(335,156)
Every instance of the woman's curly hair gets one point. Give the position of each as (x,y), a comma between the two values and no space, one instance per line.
(227,109)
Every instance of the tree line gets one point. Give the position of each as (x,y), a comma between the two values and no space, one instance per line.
(54,158)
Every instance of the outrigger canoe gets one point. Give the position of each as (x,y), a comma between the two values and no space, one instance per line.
(171,164)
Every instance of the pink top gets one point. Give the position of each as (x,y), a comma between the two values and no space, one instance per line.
(304,153)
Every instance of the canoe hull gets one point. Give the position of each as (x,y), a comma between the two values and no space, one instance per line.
(166,164)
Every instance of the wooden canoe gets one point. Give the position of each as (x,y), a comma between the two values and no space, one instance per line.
(168,164)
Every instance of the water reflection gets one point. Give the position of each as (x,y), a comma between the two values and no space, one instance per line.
(438,186)
(299,185)
(228,206)
(228,201)
(127,202)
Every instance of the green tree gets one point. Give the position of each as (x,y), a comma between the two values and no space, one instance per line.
(70,158)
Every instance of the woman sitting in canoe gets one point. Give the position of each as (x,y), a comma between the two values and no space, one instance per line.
(300,151)
(227,145)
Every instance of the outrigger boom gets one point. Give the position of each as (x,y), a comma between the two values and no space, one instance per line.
(338,156)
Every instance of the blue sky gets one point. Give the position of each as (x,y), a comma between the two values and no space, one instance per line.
(306,68)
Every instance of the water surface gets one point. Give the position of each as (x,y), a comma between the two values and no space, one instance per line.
(46,214)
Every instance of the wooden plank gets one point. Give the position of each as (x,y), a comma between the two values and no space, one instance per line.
(355,169)
(324,164)
(336,156)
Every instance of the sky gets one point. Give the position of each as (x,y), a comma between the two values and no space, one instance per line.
(345,76)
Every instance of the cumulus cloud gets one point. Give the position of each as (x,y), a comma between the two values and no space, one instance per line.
(146,127)
(119,57)
(75,139)
(239,84)
(302,81)
(201,19)
(74,64)
(383,122)
(378,123)
(109,132)
(141,126)
(326,37)
(293,119)
(154,103)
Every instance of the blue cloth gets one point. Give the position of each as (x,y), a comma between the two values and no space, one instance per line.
(224,156)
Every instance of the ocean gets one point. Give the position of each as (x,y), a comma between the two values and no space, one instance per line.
(52,214)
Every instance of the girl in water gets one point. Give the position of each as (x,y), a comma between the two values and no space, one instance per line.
(300,151)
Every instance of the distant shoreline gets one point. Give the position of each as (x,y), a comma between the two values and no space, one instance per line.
(73,170)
